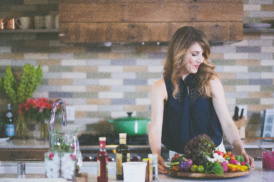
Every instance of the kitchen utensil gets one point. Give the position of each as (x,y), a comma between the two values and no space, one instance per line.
(236,113)
(57,22)
(242,114)
(49,22)
(11,24)
(39,22)
(130,125)
(21,169)
(2,23)
(24,22)
(263,148)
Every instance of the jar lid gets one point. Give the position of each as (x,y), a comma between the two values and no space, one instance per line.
(122,135)
(102,138)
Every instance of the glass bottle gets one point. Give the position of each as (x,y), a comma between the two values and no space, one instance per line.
(9,122)
(122,155)
(2,126)
(154,158)
(102,161)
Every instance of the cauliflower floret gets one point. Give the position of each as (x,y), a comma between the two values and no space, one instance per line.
(216,157)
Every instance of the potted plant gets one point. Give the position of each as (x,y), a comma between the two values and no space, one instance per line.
(39,110)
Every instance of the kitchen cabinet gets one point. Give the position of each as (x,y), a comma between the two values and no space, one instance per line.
(148,20)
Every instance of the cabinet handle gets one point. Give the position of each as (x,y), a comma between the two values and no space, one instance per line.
(62,35)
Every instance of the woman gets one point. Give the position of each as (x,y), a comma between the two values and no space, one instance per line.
(190,99)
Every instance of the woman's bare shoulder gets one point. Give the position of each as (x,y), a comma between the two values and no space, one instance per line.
(159,88)
(159,83)
(216,86)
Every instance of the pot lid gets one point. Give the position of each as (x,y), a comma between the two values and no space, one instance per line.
(129,118)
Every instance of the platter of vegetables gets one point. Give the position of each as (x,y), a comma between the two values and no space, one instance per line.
(201,160)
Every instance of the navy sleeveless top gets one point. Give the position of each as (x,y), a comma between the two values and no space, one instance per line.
(188,116)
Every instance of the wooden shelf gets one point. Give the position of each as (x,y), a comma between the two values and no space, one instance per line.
(30,31)
(258,30)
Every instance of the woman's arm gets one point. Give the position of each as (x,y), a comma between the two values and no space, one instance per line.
(229,128)
(158,95)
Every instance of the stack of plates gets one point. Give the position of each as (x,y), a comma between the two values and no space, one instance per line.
(4,139)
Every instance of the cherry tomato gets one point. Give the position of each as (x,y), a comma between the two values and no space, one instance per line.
(200,169)
(175,168)
(193,168)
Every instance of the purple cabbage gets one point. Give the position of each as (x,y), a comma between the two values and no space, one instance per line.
(185,164)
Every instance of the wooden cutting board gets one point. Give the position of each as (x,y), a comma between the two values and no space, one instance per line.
(204,175)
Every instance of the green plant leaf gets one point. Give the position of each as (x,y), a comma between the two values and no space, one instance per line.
(10,85)
(30,80)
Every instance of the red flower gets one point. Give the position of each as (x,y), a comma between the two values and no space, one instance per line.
(51,155)
(73,157)
(38,109)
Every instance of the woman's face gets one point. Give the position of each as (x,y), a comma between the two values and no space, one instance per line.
(193,58)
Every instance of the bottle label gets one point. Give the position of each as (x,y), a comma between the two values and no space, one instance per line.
(119,164)
(120,158)
(10,130)
(107,167)
(122,140)
(9,114)
(98,168)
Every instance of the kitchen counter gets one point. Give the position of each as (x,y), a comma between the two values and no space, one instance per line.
(33,150)
(36,170)
(33,143)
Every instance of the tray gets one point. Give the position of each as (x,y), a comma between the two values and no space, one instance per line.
(208,176)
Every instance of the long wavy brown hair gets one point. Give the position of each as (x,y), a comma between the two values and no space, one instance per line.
(181,41)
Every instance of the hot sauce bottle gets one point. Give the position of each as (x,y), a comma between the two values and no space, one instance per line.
(102,161)
(122,155)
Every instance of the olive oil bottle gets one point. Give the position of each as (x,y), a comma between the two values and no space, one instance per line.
(122,155)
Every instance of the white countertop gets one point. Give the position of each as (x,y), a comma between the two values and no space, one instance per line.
(8,170)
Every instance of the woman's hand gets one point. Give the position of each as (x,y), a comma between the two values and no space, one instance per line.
(249,160)
(161,165)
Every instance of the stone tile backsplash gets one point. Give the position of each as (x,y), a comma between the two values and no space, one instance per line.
(106,82)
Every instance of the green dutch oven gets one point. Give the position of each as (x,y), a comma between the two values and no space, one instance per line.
(131,125)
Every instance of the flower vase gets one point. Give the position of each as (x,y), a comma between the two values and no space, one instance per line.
(21,129)
(44,130)
(52,165)
(68,166)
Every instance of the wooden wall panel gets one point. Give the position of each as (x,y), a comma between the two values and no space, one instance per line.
(149,1)
(146,32)
(142,12)
(148,20)
(96,12)
(182,12)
